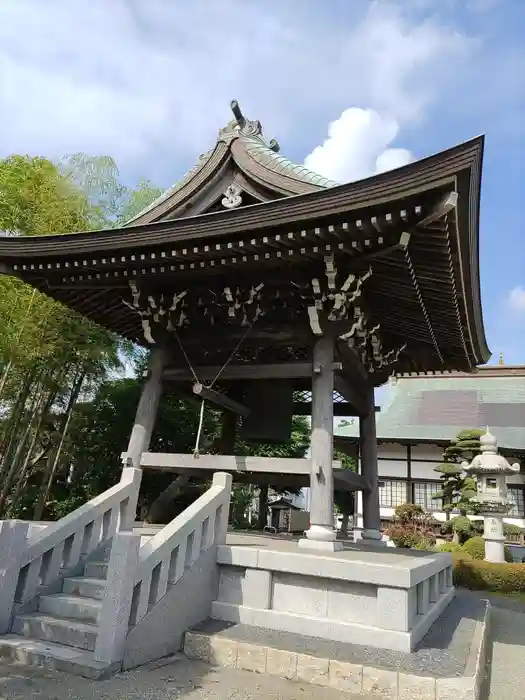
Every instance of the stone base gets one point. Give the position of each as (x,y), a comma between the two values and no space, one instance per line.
(319,546)
(384,598)
(372,538)
(439,670)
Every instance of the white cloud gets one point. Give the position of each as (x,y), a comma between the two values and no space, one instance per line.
(150,85)
(516,299)
(358,145)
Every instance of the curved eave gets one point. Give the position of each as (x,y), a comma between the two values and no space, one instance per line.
(434,172)
(457,169)
(177,196)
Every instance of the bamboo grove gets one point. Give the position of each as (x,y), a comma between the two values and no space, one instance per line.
(51,361)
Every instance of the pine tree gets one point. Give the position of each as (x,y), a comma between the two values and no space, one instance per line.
(458,489)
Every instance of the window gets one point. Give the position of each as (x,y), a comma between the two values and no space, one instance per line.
(423,492)
(515,497)
(392,493)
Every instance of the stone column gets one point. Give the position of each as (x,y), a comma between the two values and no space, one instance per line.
(368,451)
(494,538)
(141,433)
(321,534)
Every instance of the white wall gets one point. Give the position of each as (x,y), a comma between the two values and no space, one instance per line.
(392,463)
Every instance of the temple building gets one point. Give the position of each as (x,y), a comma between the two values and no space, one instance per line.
(422,413)
(265,290)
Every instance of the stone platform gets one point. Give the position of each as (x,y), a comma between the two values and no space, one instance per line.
(378,597)
(448,663)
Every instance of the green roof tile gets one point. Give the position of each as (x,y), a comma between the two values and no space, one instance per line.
(437,408)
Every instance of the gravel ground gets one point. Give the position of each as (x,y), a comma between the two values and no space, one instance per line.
(179,678)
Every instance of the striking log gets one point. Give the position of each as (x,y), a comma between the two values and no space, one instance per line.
(220,400)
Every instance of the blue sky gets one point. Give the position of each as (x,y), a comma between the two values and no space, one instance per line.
(352,86)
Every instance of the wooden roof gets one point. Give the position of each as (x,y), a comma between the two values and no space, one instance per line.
(390,261)
(241,160)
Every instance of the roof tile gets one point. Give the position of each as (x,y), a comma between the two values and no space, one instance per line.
(437,408)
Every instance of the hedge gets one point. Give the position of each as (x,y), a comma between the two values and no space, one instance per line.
(485,576)
(475,546)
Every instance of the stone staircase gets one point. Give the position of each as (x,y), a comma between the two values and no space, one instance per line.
(92,594)
(62,633)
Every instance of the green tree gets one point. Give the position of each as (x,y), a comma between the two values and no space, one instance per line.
(50,358)
(458,489)
(344,500)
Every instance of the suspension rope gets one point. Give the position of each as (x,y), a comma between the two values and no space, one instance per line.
(196,452)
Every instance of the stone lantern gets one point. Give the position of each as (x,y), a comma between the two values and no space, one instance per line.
(490,470)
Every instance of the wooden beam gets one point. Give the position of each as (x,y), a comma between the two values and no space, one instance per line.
(220,400)
(227,463)
(352,394)
(341,410)
(284,370)
(259,470)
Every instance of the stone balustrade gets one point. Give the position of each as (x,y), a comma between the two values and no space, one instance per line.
(140,576)
(43,554)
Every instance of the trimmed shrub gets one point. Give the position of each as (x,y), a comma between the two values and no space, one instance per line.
(475,546)
(485,576)
(478,526)
(449,547)
(510,529)
(463,527)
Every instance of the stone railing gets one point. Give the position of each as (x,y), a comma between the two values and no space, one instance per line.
(44,555)
(140,576)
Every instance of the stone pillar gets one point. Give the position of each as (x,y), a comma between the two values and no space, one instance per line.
(13,541)
(322,534)
(494,538)
(118,594)
(147,409)
(368,452)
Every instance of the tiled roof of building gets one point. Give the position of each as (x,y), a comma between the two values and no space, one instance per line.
(437,407)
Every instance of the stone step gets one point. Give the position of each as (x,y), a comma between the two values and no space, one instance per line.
(85,587)
(59,630)
(74,607)
(21,651)
(448,663)
(96,569)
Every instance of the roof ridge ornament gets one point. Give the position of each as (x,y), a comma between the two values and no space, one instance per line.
(240,126)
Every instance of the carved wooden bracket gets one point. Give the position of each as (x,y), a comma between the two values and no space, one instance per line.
(334,299)
(235,305)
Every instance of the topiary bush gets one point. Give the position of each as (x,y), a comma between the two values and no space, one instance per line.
(462,527)
(475,546)
(449,547)
(510,529)
(485,576)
